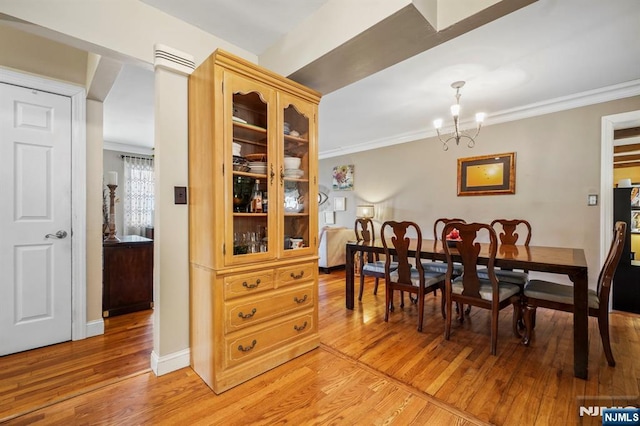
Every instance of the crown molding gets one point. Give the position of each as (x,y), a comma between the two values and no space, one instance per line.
(125,147)
(591,97)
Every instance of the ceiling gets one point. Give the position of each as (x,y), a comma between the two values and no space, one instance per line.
(547,56)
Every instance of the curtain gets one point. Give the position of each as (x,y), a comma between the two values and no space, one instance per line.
(138,194)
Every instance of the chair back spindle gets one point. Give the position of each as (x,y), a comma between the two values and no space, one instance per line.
(605,278)
(509,234)
(364,230)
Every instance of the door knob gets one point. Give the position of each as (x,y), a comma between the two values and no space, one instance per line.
(60,234)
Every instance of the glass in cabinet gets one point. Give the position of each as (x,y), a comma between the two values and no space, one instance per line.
(253,171)
(298,176)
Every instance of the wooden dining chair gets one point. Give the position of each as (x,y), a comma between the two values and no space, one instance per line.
(409,276)
(469,288)
(509,235)
(438,266)
(370,263)
(545,294)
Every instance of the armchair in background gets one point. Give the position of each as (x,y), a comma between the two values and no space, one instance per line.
(332,247)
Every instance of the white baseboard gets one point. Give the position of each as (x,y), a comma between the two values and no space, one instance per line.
(171,362)
(94,328)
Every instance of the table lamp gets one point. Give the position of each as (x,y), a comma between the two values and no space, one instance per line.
(365,211)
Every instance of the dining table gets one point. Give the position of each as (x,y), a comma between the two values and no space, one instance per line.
(556,260)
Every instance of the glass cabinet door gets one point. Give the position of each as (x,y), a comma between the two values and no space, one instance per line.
(249,152)
(298,177)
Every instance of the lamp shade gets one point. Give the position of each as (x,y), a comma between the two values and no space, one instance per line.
(364,211)
(624,183)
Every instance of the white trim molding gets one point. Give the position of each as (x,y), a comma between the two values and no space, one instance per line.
(171,362)
(95,328)
(609,124)
(78,97)
(125,147)
(591,97)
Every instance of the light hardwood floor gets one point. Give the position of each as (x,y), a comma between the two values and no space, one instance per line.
(366,371)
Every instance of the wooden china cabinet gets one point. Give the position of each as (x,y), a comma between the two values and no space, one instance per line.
(253,295)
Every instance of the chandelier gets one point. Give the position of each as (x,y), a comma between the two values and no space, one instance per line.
(458,134)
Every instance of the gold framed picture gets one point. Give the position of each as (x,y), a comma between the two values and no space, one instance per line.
(487,174)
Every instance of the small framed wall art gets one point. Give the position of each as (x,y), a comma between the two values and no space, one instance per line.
(329,218)
(339,204)
(343,178)
(487,174)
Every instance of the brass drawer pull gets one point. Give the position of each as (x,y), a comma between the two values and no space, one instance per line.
(247,285)
(300,328)
(249,315)
(297,277)
(304,299)
(253,344)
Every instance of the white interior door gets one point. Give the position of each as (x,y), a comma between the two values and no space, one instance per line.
(35,218)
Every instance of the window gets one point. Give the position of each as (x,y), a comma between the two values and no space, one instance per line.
(138,194)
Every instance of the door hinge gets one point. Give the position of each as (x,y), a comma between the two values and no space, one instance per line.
(224,248)
(222,169)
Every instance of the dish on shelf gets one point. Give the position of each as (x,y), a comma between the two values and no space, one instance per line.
(260,157)
(293,202)
(294,173)
(239,120)
(258,170)
(294,208)
(292,162)
(240,168)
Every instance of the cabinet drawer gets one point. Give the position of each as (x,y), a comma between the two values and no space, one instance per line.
(253,344)
(295,274)
(248,283)
(258,310)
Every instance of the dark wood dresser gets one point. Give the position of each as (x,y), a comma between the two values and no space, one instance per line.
(127,275)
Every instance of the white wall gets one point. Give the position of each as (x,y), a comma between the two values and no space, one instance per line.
(128,30)
(171,252)
(557,166)
(94,211)
(112,162)
(37,55)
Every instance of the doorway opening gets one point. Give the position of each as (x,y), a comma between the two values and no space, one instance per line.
(611,124)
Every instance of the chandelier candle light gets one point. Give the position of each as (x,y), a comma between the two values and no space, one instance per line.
(458,134)
(112,184)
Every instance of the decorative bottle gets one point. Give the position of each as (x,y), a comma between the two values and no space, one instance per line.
(256,198)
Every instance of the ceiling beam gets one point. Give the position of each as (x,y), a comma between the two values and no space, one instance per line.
(373,49)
